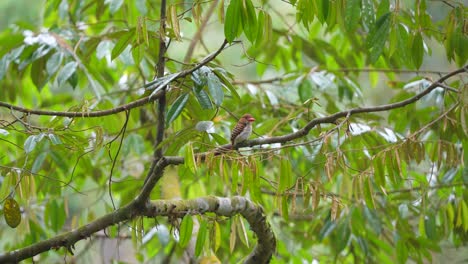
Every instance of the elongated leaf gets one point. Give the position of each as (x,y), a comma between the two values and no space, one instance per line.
(30,143)
(201,237)
(215,236)
(54,215)
(417,50)
(305,90)
(189,158)
(122,43)
(38,73)
(176,108)
(185,230)
(53,63)
(285,177)
(215,88)
(66,72)
(378,36)
(232,25)
(368,13)
(114,5)
(221,74)
(203,99)
(54,139)
(352,14)
(249,20)
(174,21)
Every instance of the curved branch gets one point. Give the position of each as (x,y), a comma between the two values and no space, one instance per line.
(154,85)
(325,120)
(253,213)
(100,113)
(218,205)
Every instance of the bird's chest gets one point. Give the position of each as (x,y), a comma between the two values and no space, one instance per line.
(245,133)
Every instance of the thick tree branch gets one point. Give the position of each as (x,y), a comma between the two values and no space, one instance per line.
(253,213)
(218,205)
(325,120)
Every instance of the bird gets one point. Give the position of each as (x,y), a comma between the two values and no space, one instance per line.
(242,130)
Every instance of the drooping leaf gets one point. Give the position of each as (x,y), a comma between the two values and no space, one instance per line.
(122,43)
(66,72)
(352,14)
(203,99)
(233,23)
(38,73)
(378,36)
(53,63)
(215,88)
(249,20)
(417,50)
(185,230)
(114,5)
(176,108)
(201,237)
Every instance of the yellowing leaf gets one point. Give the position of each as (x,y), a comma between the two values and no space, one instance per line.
(11,212)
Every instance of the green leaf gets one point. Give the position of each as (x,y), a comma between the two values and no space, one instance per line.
(383,8)
(285,177)
(417,50)
(122,43)
(66,72)
(54,215)
(378,36)
(260,27)
(38,162)
(38,74)
(203,99)
(215,88)
(221,74)
(234,177)
(327,228)
(201,237)
(232,24)
(176,108)
(430,227)
(284,207)
(54,139)
(185,230)
(137,53)
(305,89)
(189,158)
(402,251)
(352,14)
(114,5)
(53,63)
(249,20)
(368,13)
(215,236)
(30,143)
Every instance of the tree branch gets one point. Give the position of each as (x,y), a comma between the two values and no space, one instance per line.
(160,73)
(324,120)
(221,206)
(253,213)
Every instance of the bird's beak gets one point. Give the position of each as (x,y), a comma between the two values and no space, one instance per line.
(251,119)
